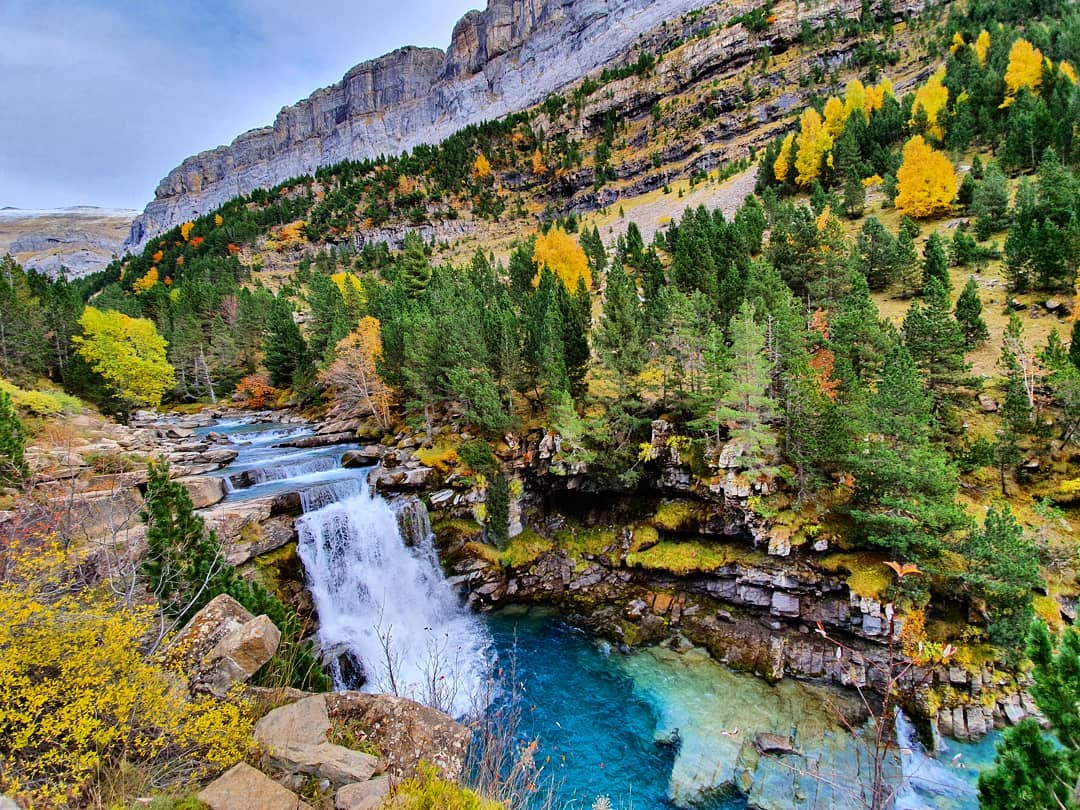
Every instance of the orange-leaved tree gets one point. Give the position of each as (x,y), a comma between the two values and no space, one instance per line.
(354,375)
(563,256)
(926,181)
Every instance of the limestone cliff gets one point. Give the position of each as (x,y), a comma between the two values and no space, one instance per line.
(501,60)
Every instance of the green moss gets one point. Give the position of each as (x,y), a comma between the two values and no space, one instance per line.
(682,558)
(457,529)
(644,537)
(442,458)
(522,550)
(868,576)
(675,516)
(594,542)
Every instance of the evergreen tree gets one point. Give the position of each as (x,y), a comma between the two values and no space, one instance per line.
(13,470)
(1003,568)
(936,343)
(969,315)
(1074,344)
(413,267)
(877,254)
(935,262)
(909,270)
(620,337)
(746,401)
(990,203)
(1032,772)
(286,354)
(854,195)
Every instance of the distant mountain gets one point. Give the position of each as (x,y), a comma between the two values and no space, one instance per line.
(79,239)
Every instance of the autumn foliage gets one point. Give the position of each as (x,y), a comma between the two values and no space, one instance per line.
(354,375)
(812,147)
(80,696)
(563,256)
(926,181)
(1025,68)
(128,353)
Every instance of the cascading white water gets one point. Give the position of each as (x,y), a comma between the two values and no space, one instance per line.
(390,606)
(925,778)
(281,472)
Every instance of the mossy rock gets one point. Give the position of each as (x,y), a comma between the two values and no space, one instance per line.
(678,516)
(868,576)
(521,551)
(644,538)
(682,558)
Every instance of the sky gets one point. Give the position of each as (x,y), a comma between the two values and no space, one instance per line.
(100,99)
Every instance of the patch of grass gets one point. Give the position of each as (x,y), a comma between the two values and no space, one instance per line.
(644,537)
(457,529)
(683,558)
(868,576)
(675,516)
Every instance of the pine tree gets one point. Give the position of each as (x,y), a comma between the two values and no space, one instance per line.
(746,401)
(854,195)
(13,470)
(286,354)
(413,267)
(620,337)
(1074,344)
(936,343)
(1003,568)
(909,271)
(497,519)
(184,562)
(902,409)
(1033,772)
(936,262)
(990,203)
(877,251)
(969,315)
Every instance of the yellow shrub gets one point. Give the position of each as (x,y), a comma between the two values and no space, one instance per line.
(427,791)
(79,696)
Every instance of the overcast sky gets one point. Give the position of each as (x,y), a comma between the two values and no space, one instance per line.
(99,99)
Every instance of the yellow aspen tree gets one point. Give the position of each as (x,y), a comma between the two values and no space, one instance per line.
(538,167)
(219,220)
(782,166)
(835,116)
(481,169)
(1067,71)
(982,46)
(1025,68)
(855,98)
(812,144)
(932,98)
(128,353)
(563,256)
(185,230)
(957,42)
(875,96)
(926,181)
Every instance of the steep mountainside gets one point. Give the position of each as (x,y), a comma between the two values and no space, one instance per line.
(499,61)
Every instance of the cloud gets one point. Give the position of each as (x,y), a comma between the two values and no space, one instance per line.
(101,98)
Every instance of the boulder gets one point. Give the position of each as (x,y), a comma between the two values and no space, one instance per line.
(204,491)
(399,480)
(988,404)
(238,656)
(362,795)
(8,804)
(243,788)
(294,738)
(406,732)
(221,616)
(321,440)
(767,743)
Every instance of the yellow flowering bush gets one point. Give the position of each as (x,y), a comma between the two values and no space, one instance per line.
(78,696)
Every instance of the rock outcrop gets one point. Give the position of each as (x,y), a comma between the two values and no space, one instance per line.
(504,59)
(243,787)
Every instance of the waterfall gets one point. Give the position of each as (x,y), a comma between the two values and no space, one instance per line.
(280,472)
(315,498)
(389,605)
(924,777)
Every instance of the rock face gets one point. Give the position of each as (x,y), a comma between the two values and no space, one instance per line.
(508,57)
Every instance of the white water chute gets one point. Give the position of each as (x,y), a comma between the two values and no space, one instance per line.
(389,604)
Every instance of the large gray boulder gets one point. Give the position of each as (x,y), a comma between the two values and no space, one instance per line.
(244,788)
(295,740)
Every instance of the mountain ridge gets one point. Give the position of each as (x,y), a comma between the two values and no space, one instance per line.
(501,60)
